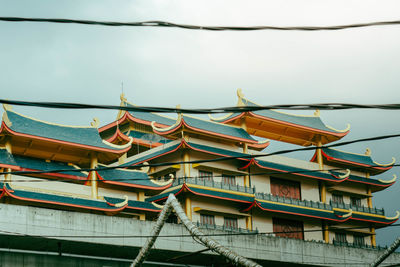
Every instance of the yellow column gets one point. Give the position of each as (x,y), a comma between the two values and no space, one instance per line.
(188,207)
(321,167)
(7,177)
(186,167)
(122,159)
(249,223)
(243,124)
(93,177)
(140,197)
(325,232)
(369,199)
(247,180)
(373,237)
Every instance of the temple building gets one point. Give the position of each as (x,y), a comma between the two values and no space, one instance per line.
(217,168)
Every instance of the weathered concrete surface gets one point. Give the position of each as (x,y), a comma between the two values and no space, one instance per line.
(54,230)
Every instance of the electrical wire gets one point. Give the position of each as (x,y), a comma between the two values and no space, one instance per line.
(280,152)
(165,24)
(320,106)
(188,235)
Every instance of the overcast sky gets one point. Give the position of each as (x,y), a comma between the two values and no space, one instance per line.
(166,67)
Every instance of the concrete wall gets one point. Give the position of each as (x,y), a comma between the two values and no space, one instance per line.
(66,226)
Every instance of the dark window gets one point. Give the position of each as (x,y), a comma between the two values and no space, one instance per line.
(230,222)
(288,228)
(355,201)
(340,237)
(358,240)
(337,198)
(207,219)
(228,179)
(205,175)
(285,188)
(166,177)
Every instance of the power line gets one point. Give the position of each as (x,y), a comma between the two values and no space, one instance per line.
(254,233)
(321,106)
(280,152)
(166,24)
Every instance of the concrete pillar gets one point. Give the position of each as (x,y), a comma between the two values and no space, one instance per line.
(188,207)
(93,176)
(186,167)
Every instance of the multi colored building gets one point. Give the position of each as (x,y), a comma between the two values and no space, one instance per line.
(217,168)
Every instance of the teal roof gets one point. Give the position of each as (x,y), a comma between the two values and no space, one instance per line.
(154,154)
(150,116)
(87,136)
(219,151)
(28,163)
(134,204)
(347,156)
(148,137)
(164,195)
(129,178)
(219,128)
(296,171)
(323,212)
(59,199)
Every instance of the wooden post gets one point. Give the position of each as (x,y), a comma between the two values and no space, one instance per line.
(93,176)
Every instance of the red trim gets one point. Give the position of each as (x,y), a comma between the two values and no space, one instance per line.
(117,134)
(133,119)
(213,196)
(301,214)
(61,175)
(208,152)
(258,146)
(377,222)
(175,194)
(14,167)
(112,124)
(340,135)
(60,203)
(231,119)
(250,207)
(64,142)
(183,123)
(131,185)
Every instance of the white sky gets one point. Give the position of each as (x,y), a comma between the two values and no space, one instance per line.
(166,67)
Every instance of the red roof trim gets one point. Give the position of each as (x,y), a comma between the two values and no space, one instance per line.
(131,185)
(340,135)
(60,175)
(117,134)
(60,203)
(6,128)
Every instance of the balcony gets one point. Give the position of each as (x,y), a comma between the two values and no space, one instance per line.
(213,184)
(357,208)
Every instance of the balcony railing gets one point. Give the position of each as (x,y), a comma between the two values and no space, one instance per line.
(319,205)
(355,245)
(357,208)
(212,183)
(224,228)
(298,202)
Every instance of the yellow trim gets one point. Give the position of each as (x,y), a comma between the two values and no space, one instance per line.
(159,129)
(343,176)
(118,146)
(394,217)
(387,164)
(164,183)
(130,103)
(157,205)
(220,118)
(337,130)
(390,181)
(220,190)
(370,214)
(291,205)
(95,123)
(123,203)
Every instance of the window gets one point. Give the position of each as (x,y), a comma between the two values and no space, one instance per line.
(355,201)
(288,228)
(340,237)
(285,188)
(337,198)
(228,179)
(207,219)
(358,240)
(230,222)
(205,175)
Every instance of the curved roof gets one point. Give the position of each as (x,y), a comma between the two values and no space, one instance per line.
(134,204)
(84,137)
(206,127)
(338,157)
(60,200)
(274,124)
(130,178)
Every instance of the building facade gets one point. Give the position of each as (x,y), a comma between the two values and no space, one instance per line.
(217,168)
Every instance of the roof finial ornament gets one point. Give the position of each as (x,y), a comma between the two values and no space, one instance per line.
(368,152)
(178,107)
(95,123)
(240,97)
(317,113)
(122,97)
(7,107)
